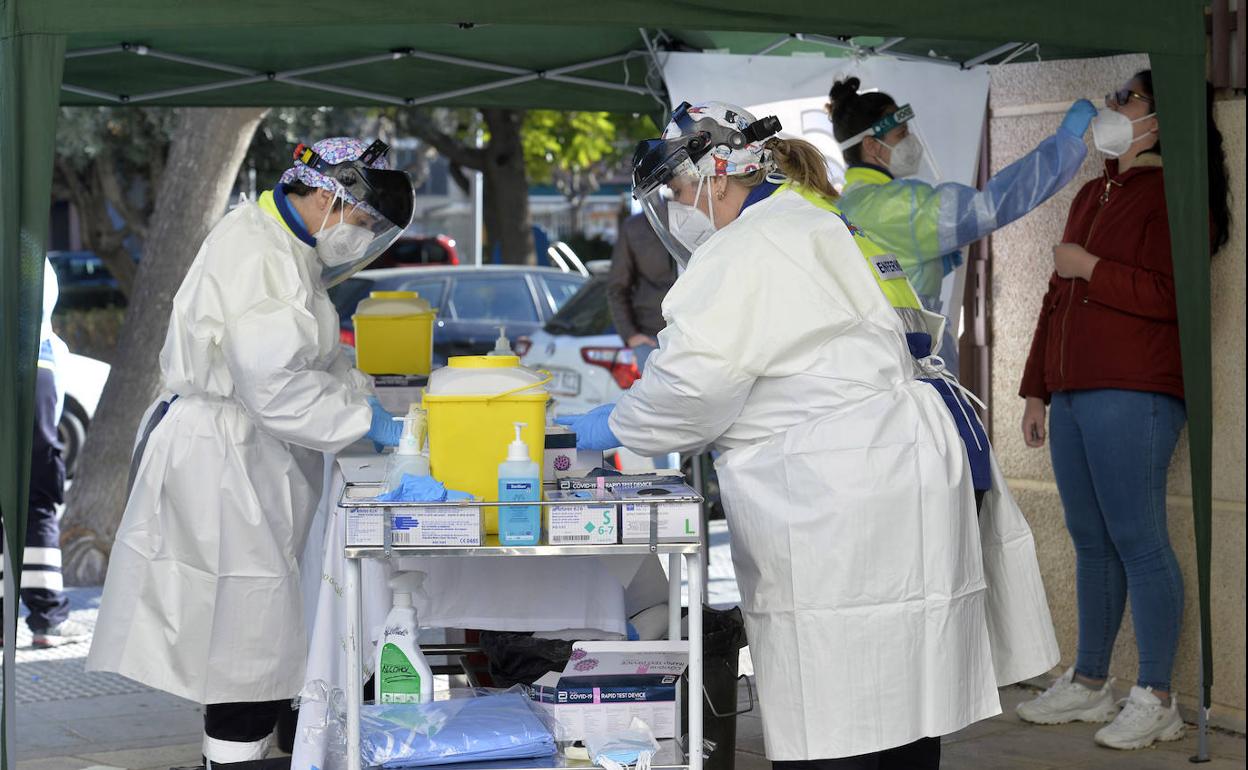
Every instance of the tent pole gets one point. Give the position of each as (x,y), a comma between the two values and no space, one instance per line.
(478,209)
(598,84)
(82,53)
(887,44)
(983,57)
(472,90)
(220,85)
(778,42)
(293,77)
(1202,716)
(341,65)
(10,662)
(92,93)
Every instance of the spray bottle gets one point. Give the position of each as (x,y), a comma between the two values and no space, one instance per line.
(519,480)
(403,674)
(409,457)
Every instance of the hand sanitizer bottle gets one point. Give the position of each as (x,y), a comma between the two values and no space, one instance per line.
(502,345)
(519,479)
(403,674)
(408,458)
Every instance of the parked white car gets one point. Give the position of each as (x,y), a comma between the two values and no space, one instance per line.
(588,362)
(83,379)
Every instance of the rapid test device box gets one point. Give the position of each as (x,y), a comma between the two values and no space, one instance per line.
(606,684)
(678,514)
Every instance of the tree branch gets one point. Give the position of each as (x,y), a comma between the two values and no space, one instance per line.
(111,185)
(458,153)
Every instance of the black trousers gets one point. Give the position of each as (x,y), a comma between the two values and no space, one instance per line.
(923,754)
(42,590)
(251,722)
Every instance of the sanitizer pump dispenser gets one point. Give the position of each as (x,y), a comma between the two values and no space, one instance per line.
(519,480)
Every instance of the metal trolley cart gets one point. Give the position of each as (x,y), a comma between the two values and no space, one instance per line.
(671,755)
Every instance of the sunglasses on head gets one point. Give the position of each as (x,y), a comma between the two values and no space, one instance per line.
(1124,95)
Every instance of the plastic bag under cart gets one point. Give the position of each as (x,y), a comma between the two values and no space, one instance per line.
(488,727)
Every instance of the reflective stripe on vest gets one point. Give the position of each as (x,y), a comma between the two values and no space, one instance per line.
(888,275)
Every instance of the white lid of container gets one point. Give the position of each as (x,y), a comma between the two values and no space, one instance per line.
(484,376)
(393,303)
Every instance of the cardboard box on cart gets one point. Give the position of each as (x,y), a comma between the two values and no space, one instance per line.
(606,684)
(449,525)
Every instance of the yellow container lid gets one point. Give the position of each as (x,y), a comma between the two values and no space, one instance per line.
(483,362)
(393,294)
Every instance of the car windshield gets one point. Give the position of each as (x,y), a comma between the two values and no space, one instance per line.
(563,288)
(493,298)
(429,289)
(586,314)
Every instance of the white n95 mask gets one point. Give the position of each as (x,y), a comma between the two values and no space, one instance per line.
(688,224)
(342,243)
(1112,132)
(905,157)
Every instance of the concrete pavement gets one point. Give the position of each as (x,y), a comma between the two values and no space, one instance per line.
(69,719)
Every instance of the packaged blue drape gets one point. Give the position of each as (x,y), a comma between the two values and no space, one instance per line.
(480,729)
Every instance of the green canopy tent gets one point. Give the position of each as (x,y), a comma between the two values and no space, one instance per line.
(561,54)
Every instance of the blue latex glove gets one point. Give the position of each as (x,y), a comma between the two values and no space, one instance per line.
(950,262)
(421,489)
(593,432)
(385,430)
(1079,117)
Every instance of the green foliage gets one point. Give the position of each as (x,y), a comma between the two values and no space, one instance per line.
(575,143)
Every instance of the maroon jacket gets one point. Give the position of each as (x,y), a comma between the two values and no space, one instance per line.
(1119,330)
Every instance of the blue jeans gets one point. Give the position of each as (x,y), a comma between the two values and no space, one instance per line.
(1111,452)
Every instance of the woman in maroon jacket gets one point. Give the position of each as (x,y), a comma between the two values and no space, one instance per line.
(1106,357)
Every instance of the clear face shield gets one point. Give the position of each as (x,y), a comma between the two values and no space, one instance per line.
(667,198)
(673,193)
(909,153)
(371,209)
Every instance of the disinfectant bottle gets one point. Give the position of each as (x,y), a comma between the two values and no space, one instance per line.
(409,457)
(502,345)
(519,480)
(403,674)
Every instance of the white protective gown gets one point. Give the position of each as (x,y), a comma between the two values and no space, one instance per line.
(847,490)
(202,597)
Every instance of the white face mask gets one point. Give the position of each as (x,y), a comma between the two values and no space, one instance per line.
(688,224)
(905,157)
(342,243)
(1112,132)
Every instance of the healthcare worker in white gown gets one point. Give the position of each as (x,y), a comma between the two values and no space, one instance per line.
(847,489)
(202,597)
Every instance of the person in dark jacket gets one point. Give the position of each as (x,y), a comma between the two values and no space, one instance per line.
(1106,357)
(641,273)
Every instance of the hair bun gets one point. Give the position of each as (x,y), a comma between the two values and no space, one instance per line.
(843,90)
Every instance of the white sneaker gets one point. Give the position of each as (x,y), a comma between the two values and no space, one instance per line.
(1142,721)
(1068,701)
(66,632)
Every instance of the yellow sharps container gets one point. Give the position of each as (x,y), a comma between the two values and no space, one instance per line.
(394,333)
(472,404)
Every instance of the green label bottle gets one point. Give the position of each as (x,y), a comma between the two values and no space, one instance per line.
(398,679)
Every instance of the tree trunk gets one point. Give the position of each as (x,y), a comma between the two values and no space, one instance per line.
(204,159)
(99,234)
(507,188)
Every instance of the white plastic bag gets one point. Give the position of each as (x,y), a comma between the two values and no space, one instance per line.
(635,746)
